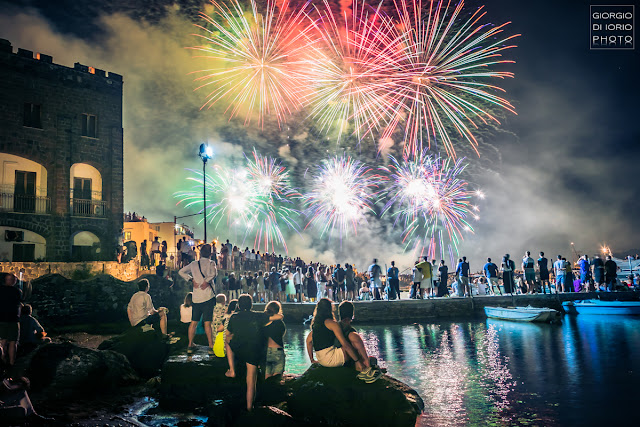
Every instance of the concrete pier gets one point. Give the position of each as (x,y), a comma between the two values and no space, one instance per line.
(407,310)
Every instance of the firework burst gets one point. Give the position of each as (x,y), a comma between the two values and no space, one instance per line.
(256,56)
(442,82)
(351,67)
(257,201)
(342,191)
(431,202)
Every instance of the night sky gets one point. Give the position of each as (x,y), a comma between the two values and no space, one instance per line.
(563,170)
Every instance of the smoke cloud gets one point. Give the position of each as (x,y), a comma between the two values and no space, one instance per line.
(544,188)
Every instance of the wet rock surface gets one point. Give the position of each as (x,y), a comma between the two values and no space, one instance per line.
(145,351)
(65,370)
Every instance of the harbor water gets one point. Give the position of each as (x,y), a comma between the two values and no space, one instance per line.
(585,371)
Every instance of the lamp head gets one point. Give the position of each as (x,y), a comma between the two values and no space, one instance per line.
(205,153)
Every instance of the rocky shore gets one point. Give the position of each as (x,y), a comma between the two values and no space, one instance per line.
(84,386)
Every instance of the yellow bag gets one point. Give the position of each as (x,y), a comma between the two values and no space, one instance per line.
(218,345)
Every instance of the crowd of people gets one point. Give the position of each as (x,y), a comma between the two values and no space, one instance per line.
(249,339)
(274,277)
(20,333)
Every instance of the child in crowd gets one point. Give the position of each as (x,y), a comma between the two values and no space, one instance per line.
(365,292)
(186,308)
(217,324)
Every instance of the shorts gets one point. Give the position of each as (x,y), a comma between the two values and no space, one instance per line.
(530,276)
(331,357)
(275,361)
(493,281)
(376,282)
(544,275)
(246,353)
(204,310)
(463,280)
(351,287)
(9,331)
(154,319)
(560,279)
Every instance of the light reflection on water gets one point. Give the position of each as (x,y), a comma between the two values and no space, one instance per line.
(505,373)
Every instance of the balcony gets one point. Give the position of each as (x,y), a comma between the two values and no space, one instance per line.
(88,205)
(10,201)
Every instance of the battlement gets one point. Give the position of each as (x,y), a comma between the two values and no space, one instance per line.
(109,77)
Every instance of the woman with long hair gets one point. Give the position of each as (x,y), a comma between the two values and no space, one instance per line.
(324,332)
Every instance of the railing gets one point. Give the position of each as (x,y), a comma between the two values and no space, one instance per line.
(84,207)
(23,203)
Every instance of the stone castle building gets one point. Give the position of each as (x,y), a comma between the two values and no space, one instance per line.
(61,159)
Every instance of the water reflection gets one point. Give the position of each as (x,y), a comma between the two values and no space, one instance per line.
(507,373)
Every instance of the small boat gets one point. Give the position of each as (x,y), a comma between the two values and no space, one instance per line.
(523,314)
(596,306)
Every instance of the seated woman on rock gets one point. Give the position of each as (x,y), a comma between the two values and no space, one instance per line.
(245,342)
(322,339)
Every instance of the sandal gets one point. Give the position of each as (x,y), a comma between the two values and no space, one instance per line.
(211,352)
(189,350)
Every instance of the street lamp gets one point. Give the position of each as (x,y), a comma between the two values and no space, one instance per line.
(205,154)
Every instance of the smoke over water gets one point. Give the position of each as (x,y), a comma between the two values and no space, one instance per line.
(544,189)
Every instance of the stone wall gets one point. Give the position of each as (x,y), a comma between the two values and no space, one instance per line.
(33,270)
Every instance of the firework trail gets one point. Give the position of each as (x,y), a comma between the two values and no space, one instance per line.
(342,191)
(431,202)
(256,201)
(441,84)
(257,58)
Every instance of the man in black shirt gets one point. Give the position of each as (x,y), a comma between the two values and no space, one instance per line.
(10,298)
(246,342)
(610,273)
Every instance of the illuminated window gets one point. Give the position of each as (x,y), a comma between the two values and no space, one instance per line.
(127,235)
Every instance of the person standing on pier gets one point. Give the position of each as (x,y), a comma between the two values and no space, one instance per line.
(443,281)
(427,276)
(610,274)
(507,267)
(543,270)
(375,271)
(597,266)
(585,272)
(529,274)
(491,273)
(462,272)
(394,281)
(416,292)
(560,270)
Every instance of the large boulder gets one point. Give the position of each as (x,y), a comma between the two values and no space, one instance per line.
(64,370)
(146,351)
(321,396)
(334,396)
(58,301)
(188,382)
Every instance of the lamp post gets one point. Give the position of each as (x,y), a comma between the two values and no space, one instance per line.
(205,154)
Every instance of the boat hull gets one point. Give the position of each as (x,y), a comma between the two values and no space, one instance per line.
(628,308)
(523,314)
